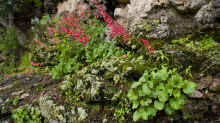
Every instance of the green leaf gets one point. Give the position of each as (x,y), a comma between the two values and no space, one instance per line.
(175,103)
(146,102)
(176,93)
(158,105)
(176,81)
(142,79)
(163,73)
(151,110)
(160,75)
(144,113)
(135,104)
(169,110)
(163,96)
(150,84)
(135,85)
(132,95)
(189,87)
(136,116)
(161,87)
(146,90)
(141,93)
(146,75)
(169,89)
(140,113)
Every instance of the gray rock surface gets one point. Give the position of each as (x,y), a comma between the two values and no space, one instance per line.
(216,5)
(215,86)
(182,16)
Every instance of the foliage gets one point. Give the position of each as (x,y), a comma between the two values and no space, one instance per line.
(68,54)
(25,62)
(15,101)
(160,89)
(204,51)
(121,111)
(9,47)
(27,114)
(206,45)
(72,55)
(104,76)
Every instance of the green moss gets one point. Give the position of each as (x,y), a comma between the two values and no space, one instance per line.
(155,22)
(148,27)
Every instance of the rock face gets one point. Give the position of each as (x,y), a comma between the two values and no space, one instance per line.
(159,19)
(168,18)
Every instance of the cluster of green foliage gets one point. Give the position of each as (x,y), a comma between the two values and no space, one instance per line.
(27,114)
(9,47)
(160,89)
(121,110)
(204,51)
(69,55)
(206,45)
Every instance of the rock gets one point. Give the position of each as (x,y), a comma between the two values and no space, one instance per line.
(187,5)
(197,4)
(216,5)
(204,82)
(215,86)
(17,93)
(66,6)
(206,16)
(197,94)
(25,95)
(160,32)
(183,17)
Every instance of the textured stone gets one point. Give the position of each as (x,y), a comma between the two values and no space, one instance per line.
(197,94)
(204,82)
(25,95)
(206,16)
(17,93)
(181,17)
(215,86)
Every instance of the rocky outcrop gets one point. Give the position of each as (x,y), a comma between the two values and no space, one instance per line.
(173,17)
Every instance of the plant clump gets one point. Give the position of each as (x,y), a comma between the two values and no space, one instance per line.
(160,89)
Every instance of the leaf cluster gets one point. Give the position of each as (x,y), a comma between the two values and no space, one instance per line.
(160,89)
(27,114)
(71,55)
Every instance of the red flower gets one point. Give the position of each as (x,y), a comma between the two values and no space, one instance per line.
(77,35)
(148,46)
(85,39)
(151,50)
(71,32)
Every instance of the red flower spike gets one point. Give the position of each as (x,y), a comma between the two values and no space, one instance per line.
(77,35)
